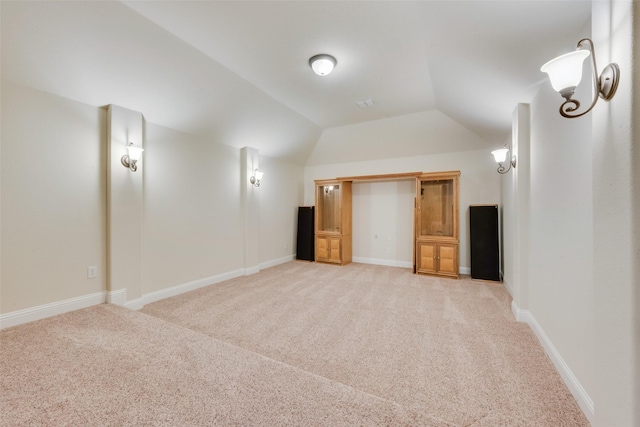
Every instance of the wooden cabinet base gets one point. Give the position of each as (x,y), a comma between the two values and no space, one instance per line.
(333,249)
(437,258)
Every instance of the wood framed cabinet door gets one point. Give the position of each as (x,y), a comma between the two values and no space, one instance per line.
(335,250)
(438,258)
(447,259)
(333,221)
(329,249)
(322,248)
(436,224)
(427,257)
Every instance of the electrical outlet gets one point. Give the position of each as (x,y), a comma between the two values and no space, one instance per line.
(92,272)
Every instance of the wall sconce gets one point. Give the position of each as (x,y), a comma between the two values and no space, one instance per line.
(322,64)
(328,189)
(256,177)
(130,159)
(565,73)
(500,155)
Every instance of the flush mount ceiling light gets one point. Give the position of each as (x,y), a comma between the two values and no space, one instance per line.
(322,64)
(565,73)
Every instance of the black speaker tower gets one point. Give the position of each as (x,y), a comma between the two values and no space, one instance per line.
(485,252)
(305,249)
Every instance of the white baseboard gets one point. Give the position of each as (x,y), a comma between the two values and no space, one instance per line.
(464,270)
(520,315)
(187,287)
(278,261)
(119,297)
(19,317)
(200,283)
(387,262)
(579,393)
(509,288)
(135,304)
(251,270)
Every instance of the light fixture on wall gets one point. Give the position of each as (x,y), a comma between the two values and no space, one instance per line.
(256,177)
(565,73)
(500,155)
(130,159)
(328,189)
(322,64)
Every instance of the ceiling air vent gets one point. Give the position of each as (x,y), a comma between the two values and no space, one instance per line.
(366,104)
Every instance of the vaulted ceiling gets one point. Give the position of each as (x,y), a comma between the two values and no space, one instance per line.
(237,72)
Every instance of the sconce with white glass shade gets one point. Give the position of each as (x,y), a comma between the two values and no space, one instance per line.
(256,177)
(500,156)
(565,74)
(130,160)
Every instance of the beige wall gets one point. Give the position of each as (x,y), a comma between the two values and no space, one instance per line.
(54,208)
(560,278)
(562,199)
(279,195)
(53,198)
(192,226)
(425,133)
(382,229)
(580,290)
(616,209)
(548,236)
(195,224)
(124,206)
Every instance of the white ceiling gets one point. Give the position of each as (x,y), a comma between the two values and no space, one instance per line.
(237,71)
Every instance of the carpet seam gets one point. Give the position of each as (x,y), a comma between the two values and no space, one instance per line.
(265,357)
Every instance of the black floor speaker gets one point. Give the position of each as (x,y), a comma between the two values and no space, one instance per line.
(485,252)
(305,248)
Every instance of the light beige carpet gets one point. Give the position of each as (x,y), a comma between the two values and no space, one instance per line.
(109,366)
(297,344)
(446,349)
